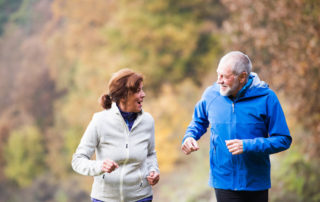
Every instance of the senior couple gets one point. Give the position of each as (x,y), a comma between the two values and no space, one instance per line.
(246,120)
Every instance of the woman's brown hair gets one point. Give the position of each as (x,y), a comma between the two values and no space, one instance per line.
(120,84)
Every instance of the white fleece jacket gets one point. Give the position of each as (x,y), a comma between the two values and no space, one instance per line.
(108,136)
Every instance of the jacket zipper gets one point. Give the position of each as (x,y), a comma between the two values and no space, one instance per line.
(232,107)
(233,159)
(125,162)
(127,156)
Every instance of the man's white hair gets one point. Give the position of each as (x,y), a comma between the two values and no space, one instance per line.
(239,62)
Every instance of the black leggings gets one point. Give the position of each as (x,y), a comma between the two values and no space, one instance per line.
(223,195)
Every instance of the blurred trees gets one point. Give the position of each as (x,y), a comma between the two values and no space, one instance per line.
(172,115)
(56,57)
(27,95)
(282,38)
(167,41)
(7,7)
(174,40)
(27,91)
(24,155)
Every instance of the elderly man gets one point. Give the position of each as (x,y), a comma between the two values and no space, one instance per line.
(247,124)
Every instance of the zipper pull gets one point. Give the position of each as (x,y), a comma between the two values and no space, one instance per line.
(233,107)
(127,146)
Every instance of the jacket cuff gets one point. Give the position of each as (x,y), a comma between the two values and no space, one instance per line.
(154,170)
(187,136)
(98,167)
(246,145)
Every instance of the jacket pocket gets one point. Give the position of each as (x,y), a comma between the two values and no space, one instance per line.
(111,180)
(143,181)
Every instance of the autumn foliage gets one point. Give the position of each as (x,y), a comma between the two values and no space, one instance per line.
(57,56)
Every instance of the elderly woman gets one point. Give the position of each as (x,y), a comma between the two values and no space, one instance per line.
(122,136)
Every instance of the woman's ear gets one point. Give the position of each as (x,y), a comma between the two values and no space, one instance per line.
(123,101)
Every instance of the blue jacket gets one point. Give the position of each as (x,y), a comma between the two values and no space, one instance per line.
(254,116)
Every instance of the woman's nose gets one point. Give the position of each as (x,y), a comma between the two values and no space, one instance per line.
(143,94)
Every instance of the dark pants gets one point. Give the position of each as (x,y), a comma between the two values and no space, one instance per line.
(223,195)
(148,199)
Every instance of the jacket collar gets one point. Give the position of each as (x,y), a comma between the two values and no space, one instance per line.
(115,110)
(254,87)
(243,90)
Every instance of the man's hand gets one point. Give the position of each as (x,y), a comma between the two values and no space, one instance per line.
(153,178)
(189,145)
(109,166)
(235,146)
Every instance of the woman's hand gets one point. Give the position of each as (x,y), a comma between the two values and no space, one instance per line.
(153,178)
(109,166)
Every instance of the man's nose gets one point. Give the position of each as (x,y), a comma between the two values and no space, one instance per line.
(219,80)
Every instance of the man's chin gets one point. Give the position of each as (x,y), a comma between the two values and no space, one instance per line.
(224,93)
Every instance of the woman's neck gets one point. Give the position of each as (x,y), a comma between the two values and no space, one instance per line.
(122,107)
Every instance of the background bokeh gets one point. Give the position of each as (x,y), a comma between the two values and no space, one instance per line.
(56,57)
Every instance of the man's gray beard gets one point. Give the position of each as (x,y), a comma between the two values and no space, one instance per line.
(225,93)
(229,90)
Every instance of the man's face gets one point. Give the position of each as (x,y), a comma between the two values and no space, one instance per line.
(229,82)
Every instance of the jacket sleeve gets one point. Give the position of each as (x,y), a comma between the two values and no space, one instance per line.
(152,161)
(199,124)
(279,136)
(81,162)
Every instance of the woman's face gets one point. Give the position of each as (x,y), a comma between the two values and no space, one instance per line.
(134,101)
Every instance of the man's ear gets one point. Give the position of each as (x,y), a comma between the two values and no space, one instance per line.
(243,77)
